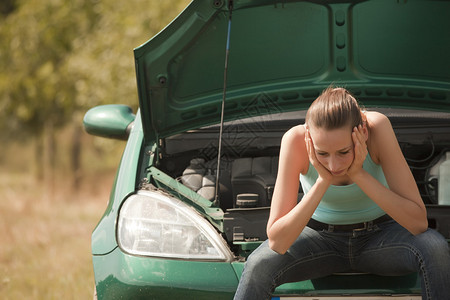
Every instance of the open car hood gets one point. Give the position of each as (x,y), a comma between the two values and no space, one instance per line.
(282,54)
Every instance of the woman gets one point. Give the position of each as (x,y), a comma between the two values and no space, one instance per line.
(361,210)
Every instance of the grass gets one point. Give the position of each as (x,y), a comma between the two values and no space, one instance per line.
(45,241)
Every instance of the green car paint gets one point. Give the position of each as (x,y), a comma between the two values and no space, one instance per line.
(111,121)
(122,276)
(282,54)
(104,237)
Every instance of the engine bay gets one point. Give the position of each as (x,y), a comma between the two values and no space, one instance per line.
(249,164)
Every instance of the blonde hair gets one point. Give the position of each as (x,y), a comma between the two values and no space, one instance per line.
(334,108)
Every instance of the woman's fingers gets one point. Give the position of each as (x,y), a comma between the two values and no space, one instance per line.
(321,170)
(360,149)
(359,137)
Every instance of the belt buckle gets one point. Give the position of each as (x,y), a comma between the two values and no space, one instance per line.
(367,226)
(362,228)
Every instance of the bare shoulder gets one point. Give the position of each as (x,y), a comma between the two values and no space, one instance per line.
(293,149)
(295,135)
(382,139)
(377,121)
(293,143)
(380,127)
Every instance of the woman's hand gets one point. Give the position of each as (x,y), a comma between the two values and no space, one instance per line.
(359,137)
(321,170)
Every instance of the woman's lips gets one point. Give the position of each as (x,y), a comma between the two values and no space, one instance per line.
(336,173)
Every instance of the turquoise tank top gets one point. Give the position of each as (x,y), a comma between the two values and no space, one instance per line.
(346,204)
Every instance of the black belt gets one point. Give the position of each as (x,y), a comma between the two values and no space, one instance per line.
(314,224)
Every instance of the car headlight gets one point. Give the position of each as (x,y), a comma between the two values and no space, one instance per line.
(155,224)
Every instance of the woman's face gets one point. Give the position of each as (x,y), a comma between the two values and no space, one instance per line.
(334,148)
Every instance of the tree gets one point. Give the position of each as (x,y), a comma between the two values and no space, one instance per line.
(7,7)
(60,57)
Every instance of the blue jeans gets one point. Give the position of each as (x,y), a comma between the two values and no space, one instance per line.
(385,249)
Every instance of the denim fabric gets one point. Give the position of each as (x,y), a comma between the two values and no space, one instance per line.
(385,249)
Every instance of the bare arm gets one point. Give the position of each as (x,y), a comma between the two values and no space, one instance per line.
(402,200)
(287,218)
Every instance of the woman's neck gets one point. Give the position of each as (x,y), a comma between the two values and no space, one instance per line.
(342,180)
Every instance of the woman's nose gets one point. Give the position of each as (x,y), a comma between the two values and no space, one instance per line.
(334,165)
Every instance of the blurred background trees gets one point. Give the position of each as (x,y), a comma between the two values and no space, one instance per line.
(58,58)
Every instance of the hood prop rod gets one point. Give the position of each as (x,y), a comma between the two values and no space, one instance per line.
(224,94)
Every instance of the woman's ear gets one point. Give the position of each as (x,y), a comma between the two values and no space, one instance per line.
(365,131)
(363,116)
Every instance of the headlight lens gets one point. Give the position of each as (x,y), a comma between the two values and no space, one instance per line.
(155,224)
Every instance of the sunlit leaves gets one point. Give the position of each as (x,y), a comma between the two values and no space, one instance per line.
(60,57)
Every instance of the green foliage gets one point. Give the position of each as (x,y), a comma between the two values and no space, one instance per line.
(60,57)
(7,6)
(36,40)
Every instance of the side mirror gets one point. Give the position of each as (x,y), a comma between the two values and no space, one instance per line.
(111,121)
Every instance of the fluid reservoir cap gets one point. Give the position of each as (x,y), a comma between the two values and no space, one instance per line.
(247,200)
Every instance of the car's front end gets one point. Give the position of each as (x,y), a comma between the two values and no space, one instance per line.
(175,226)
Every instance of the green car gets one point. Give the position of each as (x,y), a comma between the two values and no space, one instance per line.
(180,223)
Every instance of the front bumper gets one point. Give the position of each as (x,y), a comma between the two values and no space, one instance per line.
(122,276)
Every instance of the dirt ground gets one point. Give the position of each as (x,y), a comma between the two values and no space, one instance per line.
(45,236)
